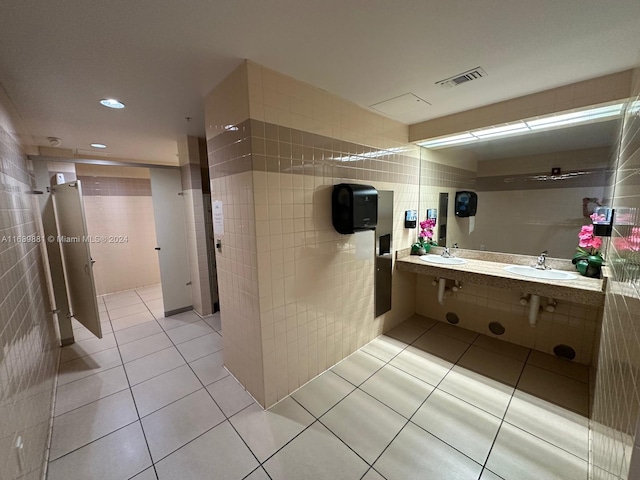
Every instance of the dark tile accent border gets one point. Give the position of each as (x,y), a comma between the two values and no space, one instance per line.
(115,186)
(444,176)
(266,147)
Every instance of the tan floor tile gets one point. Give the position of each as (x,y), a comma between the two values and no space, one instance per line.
(423,365)
(116,313)
(406,332)
(189,332)
(518,454)
(121,454)
(458,333)
(201,346)
(267,431)
(88,365)
(555,388)
(219,453)
(459,424)
(137,332)
(210,368)
(230,396)
(87,347)
(322,393)
(131,320)
(364,424)
(145,346)
(443,346)
(402,392)
(164,389)
(357,367)
(315,455)
(179,320)
(152,365)
(417,454)
(90,422)
(512,350)
(173,426)
(493,365)
(559,365)
(559,426)
(89,389)
(483,392)
(384,347)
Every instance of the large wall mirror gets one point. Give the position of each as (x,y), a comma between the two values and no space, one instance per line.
(535,189)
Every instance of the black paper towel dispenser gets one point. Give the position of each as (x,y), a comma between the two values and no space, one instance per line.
(466,204)
(354,207)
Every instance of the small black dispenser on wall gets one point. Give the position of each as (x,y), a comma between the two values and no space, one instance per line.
(466,204)
(354,208)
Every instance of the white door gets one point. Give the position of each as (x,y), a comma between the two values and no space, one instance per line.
(76,255)
(168,209)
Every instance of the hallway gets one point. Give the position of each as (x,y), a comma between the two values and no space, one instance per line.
(428,400)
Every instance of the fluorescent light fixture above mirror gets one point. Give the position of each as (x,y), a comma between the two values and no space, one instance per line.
(450,140)
(501,131)
(575,117)
(548,122)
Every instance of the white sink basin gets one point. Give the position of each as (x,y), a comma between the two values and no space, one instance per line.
(442,260)
(532,272)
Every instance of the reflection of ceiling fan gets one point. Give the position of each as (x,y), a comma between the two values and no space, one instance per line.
(589,205)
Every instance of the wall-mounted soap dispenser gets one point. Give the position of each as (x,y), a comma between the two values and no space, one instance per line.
(354,208)
(466,204)
(602,219)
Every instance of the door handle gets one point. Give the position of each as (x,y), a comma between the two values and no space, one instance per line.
(157,248)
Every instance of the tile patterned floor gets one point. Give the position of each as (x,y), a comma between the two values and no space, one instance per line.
(151,400)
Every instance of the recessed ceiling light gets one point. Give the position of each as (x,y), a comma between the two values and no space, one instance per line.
(98,145)
(112,103)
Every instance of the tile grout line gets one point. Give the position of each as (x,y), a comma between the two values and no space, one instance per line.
(214,401)
(420,406)
(357,387)
(135,405)
(484,466)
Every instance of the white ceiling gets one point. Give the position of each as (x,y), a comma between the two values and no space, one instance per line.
(161,57)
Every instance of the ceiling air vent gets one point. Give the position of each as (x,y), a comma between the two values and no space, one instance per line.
(464,77)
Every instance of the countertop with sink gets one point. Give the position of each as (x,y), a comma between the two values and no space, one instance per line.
(490,270)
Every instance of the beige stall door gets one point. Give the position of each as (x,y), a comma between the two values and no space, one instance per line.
(76,255)
(168,209)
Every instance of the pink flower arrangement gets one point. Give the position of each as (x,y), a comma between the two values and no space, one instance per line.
(425,237)
(588,240)
(589,244)
(426,230)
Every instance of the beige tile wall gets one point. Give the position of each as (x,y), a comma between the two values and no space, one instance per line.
(312,300)
(131,261)
(122,265)
(237,265)
(28,342)
(615,443)
(316,286)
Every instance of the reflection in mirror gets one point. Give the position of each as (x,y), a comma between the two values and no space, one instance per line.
(535,190)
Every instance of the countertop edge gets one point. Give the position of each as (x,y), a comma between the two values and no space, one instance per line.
(573,293)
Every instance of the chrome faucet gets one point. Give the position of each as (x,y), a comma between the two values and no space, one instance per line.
(447,253)
(541,263)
